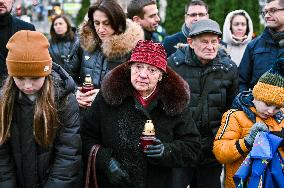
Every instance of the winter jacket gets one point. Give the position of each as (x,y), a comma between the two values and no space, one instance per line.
(171,41)
(66,53)
(98,60)
(116,121)
(220,79)
(13,26)
(257,59)
(236,48)
(26,164)
(230,147)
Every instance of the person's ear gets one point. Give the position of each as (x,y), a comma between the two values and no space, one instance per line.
(190,42)
(136,19)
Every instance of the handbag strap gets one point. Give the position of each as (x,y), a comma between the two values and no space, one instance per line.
(92,166)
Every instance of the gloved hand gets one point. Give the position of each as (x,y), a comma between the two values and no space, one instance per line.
(156,150)
(255,129)
(115,174)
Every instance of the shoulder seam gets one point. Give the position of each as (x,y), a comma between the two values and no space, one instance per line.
(226,122)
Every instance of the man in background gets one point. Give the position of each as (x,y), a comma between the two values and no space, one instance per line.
(8,26)
(194,10)
(146,14)
(261,52)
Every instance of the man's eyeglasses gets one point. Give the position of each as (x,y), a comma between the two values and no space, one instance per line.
(193,15)
(271,11)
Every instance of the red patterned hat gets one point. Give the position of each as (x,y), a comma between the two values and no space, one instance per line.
(151,53)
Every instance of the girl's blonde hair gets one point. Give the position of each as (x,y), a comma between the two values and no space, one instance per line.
(45,122)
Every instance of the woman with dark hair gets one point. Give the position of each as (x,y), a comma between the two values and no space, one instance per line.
(63,47)
(107,39)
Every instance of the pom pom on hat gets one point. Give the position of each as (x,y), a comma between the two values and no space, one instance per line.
(150,53)
(28,55)
(270,86)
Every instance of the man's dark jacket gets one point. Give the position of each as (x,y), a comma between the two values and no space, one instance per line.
(259,56)
(14,26)
(215,84)
(171,41)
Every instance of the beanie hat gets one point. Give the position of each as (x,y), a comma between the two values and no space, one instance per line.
(150,53)
(28,55)
(270,86)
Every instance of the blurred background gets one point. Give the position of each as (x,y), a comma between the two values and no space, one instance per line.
(41,12)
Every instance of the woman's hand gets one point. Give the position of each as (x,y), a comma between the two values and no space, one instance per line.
(86,99)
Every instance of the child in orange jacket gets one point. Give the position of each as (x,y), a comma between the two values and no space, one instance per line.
(253,111)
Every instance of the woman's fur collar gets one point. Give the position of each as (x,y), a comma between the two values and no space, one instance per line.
(117,45)
(173,92)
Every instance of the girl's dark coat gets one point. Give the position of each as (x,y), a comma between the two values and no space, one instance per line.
(24,163)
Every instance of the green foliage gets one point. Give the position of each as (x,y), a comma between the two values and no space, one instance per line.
(83,11)
(218,10)
(174,16)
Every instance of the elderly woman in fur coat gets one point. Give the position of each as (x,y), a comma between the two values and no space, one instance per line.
(144,88)
(107,39)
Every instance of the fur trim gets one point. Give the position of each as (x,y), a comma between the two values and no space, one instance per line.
(180,45)
(173,90)
(87,39)
(117,45)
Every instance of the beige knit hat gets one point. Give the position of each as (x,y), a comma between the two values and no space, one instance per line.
(28,55)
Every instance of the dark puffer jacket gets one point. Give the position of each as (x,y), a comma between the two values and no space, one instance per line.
(67,53)
(116,121)
(258,58)
(24,163)
(220,79)
(98,59)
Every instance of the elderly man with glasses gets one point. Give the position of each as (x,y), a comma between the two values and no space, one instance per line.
(194,10)
(265,49)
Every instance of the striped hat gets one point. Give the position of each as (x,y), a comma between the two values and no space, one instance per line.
(270,86)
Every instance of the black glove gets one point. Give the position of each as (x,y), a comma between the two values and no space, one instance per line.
(255,129)
(156,150)
(115,174)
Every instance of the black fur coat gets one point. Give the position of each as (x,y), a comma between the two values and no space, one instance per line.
(116,121)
